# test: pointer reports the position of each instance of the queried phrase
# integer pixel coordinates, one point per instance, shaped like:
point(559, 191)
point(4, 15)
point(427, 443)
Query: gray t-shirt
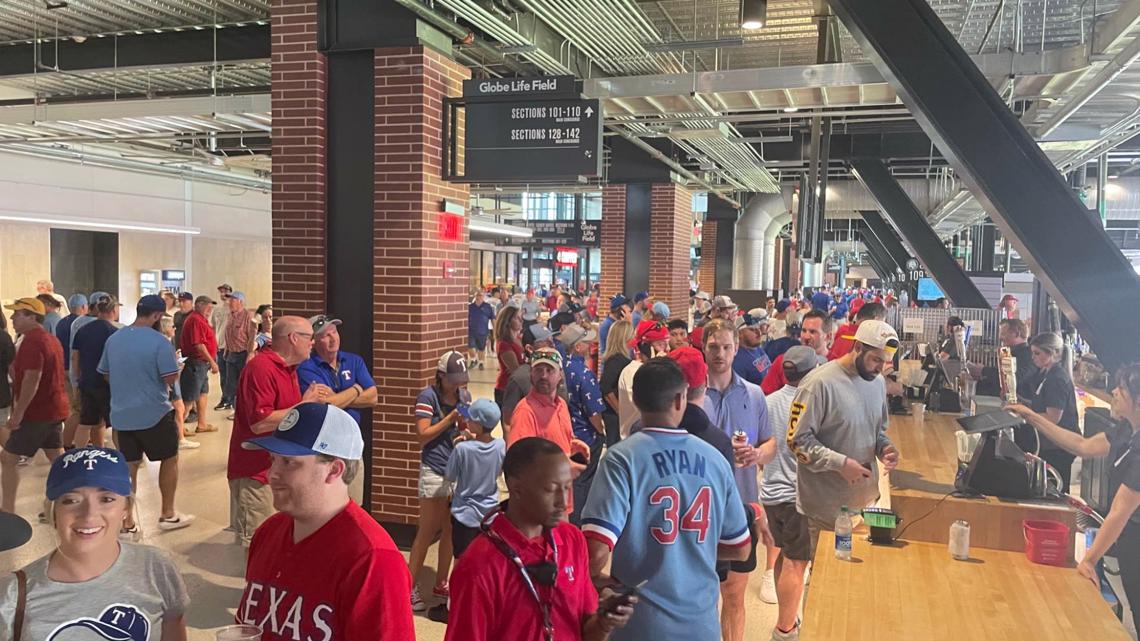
point(779, 485)
point(128, 601)
point(836, 415)
point(530, 309)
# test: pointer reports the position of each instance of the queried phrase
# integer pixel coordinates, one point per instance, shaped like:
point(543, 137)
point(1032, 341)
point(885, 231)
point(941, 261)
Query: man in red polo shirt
point(845, 336)
point(39, 402)
point(266, 392)
point(551, 595)
point(200, 348)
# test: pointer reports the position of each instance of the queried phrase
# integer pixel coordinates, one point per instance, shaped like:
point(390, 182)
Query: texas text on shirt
point(345, 582)
point(663, 501)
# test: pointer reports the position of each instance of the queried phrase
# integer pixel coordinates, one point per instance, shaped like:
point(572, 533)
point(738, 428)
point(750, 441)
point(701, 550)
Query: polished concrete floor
point(212, 565)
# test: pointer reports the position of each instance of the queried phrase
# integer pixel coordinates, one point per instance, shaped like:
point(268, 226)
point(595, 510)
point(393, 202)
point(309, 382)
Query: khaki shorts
point(356, 488)
point(251, 502)
point(432, 485)
point(73, 398)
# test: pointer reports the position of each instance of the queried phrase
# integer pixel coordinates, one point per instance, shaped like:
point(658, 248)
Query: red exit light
point(450, 227)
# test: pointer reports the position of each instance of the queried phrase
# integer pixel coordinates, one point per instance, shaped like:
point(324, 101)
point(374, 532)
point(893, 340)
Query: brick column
point(706, 275)
point(671, 225)
point(613, 243)
point(418, 313)
point(299, 186)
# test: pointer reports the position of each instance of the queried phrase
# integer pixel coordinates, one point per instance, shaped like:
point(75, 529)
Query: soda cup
point(240, 632)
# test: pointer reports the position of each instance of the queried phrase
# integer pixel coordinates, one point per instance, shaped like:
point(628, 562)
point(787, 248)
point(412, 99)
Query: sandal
point(208, 428)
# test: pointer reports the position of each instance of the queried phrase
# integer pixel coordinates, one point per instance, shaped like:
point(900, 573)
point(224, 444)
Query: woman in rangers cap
point(92, 580)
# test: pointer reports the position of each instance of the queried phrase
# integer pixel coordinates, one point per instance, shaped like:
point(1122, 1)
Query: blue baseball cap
point(89, 467)
point(238, 295)
point(661, 309)
point(640, 296)
point(618, 301)
point(150, 304)
point(118, 622)
point(783, 304)
point(313, 428)
point(96, 296)
point(485, 413)
point(76, 300)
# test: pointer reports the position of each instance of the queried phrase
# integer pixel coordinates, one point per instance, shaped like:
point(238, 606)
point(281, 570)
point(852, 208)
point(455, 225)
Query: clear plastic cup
point(918, 412)
point(238, 633)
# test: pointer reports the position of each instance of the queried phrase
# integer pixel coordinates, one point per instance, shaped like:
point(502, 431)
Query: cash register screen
point(989, 421)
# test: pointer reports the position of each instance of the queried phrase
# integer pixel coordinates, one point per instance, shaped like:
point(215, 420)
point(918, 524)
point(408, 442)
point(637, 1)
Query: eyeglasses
point(304, 335)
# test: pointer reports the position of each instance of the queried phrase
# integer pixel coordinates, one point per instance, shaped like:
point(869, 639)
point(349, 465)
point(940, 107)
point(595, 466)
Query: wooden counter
point(915, 591)
point(928, 463)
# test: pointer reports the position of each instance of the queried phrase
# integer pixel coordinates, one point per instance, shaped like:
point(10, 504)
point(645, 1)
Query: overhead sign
point(562, 233)
point(543, 88)
point(522, 141)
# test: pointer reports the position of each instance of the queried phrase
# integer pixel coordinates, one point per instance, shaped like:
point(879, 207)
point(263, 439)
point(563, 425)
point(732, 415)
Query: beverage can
point(740, 436)
point(960, 540)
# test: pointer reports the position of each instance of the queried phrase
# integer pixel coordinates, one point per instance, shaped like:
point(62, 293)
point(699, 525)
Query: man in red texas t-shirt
point(322, 568)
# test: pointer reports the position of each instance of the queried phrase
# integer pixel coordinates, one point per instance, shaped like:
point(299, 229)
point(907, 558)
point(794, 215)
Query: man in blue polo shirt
point(735, 405)
point(586, 407)
point(344, 372)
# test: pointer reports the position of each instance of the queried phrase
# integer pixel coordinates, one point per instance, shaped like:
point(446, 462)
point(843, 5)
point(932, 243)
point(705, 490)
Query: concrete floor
point(212, 565)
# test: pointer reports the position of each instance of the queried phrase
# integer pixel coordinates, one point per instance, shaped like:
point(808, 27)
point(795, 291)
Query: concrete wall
point(233, 243)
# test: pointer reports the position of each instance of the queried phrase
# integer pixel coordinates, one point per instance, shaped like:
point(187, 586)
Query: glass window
point(488, 268)
point(592, 206)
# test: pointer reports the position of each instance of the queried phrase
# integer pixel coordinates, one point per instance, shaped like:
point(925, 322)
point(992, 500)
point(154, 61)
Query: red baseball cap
point(692, 363)
point(649, 331)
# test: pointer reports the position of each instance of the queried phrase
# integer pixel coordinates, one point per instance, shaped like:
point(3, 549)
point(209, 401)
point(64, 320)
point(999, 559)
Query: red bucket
point(1046, 542)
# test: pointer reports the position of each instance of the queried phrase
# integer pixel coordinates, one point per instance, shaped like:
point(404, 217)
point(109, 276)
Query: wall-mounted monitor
point(929, 290)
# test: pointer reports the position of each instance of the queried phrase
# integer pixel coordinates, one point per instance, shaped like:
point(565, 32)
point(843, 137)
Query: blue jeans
point(222, 372)
point(235, 363)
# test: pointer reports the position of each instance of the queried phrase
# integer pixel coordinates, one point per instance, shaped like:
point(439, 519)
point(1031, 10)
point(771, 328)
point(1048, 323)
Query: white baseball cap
point(313, 428)
point(879, 335)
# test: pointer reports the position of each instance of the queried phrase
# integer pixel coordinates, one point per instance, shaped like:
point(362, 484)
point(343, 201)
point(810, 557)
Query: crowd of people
point(646, 457)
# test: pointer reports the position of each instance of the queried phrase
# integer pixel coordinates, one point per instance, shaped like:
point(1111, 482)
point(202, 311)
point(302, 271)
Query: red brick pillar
point(671, 234)
point(706, 275)
point(419, 313)
point(299, 195)
point(613, 243)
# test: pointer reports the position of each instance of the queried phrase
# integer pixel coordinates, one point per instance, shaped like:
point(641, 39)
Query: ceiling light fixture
point(791, 110)
point(111, 225)
point(753, 14)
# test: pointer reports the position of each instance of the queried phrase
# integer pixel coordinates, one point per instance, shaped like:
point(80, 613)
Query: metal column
point(880, 258)
point(1003, 167)
point(929, 250)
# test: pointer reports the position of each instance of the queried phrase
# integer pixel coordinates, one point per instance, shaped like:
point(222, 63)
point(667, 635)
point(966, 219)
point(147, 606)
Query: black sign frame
point(451, 107)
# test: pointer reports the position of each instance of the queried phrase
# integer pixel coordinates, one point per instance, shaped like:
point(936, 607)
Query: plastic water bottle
point(843, 529)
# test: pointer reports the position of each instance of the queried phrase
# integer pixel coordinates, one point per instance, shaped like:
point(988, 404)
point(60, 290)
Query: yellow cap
point(33, 305)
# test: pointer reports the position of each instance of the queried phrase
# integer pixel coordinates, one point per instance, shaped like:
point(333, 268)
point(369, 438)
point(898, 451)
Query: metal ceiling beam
point(1008, 173)
point(30, 114)
point(1114, 30)
point(842, 74)
point(912, 224)
point(884, 234)
point(879, 258)
point(234, 44)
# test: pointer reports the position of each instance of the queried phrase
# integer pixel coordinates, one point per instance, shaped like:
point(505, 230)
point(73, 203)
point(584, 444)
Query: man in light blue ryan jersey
point(665, 505)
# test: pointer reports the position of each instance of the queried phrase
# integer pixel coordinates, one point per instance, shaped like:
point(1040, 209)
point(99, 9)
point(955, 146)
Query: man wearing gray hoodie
point(837, 428)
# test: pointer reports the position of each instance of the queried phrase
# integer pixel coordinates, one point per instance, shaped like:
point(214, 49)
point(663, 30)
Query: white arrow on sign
point(589, 111)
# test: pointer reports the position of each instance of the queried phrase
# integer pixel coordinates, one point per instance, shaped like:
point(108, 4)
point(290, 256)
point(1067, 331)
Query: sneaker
point(418, 604)
point(24, 461)
point(176, 522)
point(192, 417)
point(480, 364)
point(130, 535)
point(220, 406)
point(187, 444)
point(794, 635)
point(438, 613)
point(768, 587)
point(441, 590)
